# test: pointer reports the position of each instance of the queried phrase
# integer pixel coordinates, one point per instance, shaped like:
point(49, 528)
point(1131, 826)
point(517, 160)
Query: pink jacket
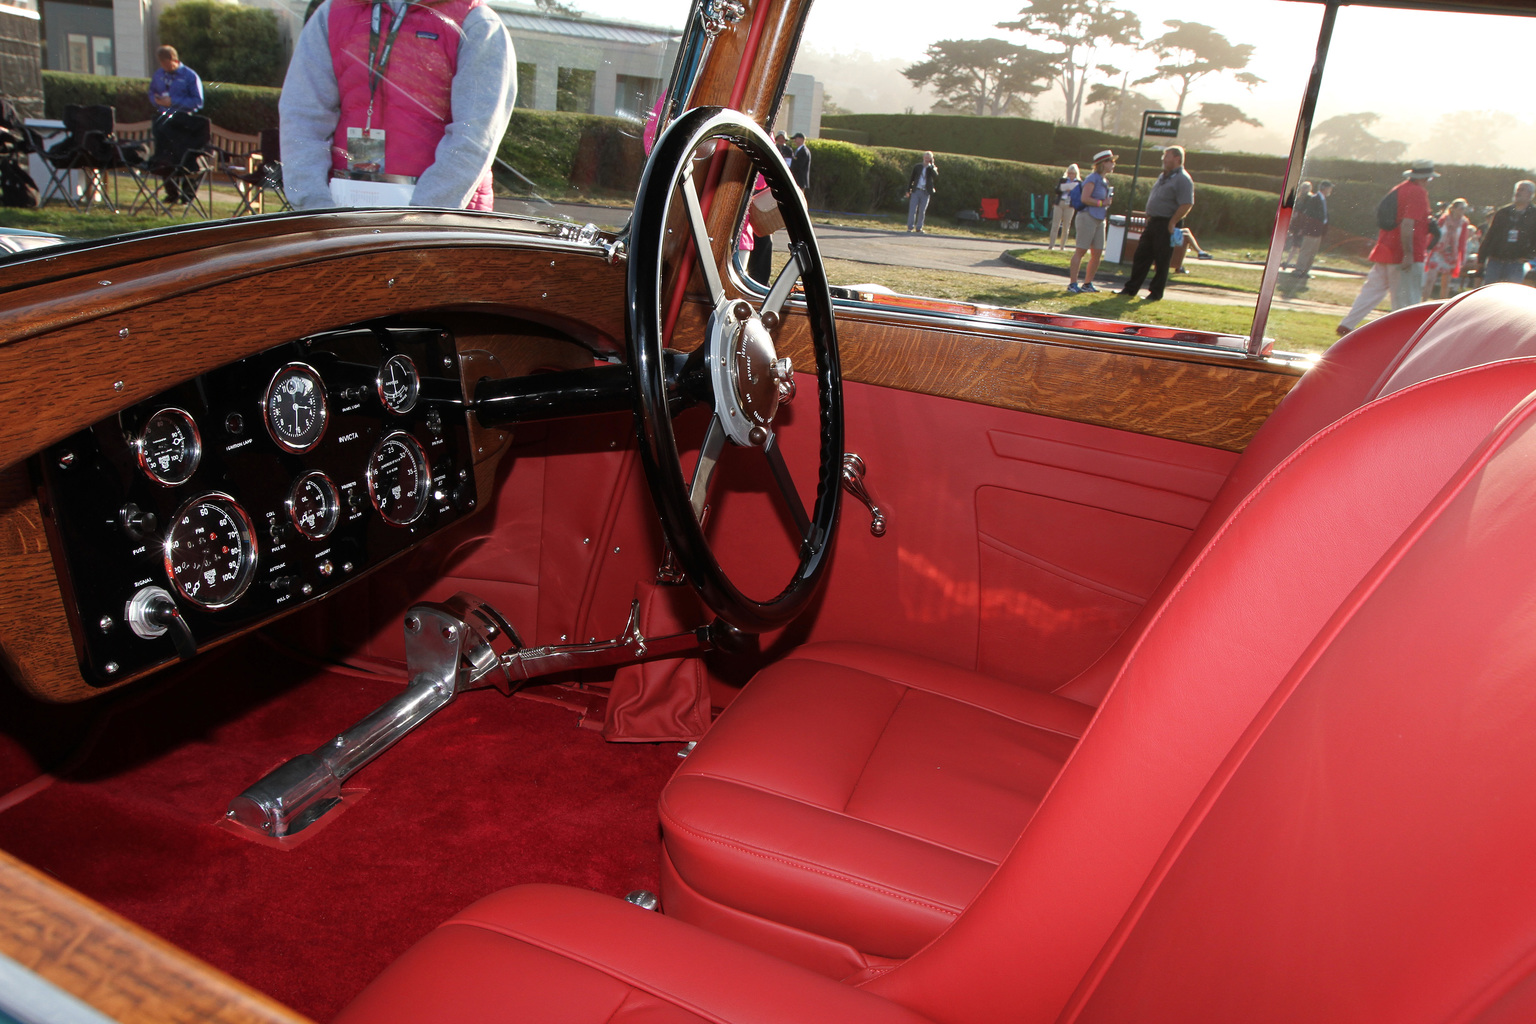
point(414, 102)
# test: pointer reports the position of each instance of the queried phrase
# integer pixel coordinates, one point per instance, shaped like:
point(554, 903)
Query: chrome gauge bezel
point(423, 476)
point(323, 414)
point(141, 442)
point(332, 500)
point(412, 375)
point(245, 532)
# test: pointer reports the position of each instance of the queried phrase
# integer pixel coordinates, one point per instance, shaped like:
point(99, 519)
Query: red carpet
point(491, 792)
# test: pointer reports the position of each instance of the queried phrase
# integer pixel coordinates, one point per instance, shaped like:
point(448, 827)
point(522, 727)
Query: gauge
point(169, 447)
point(210, 550)
point(314, 505)
point(399, 384)
point(399, 478)
point(295, 407)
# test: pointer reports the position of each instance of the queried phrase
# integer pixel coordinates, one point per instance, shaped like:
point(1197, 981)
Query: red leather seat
point(1331, 818)
point(853, 801)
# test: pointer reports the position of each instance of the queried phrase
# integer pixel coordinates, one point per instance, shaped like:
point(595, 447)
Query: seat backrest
point(80, 119)
point(271, 146)
point(1365, 852)
point(1410, 345)
point(1235, 623)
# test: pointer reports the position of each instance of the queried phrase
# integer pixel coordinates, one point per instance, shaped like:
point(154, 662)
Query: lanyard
point(377, 61)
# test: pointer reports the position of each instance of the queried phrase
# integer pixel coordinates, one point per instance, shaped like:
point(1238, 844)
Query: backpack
point(1386, 211)
point(1075, 197)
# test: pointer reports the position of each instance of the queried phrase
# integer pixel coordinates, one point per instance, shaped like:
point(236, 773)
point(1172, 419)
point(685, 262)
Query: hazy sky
point(1465, 68)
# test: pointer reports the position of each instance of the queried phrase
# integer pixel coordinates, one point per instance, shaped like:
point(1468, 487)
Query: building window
point(527, 84)
point(634, 96)
point(90, 55)
point(79, 54)
point(102, 62)
point(576, 87)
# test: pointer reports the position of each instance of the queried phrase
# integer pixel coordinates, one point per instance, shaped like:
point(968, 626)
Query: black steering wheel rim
point(664, 175)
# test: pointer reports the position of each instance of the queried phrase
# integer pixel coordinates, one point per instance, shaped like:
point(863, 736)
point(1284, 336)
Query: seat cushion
point(565, 956)
point(877, 819)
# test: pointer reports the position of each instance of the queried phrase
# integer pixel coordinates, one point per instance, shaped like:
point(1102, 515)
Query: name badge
point(426, 35)
point(365, 150)
point(1514, 236)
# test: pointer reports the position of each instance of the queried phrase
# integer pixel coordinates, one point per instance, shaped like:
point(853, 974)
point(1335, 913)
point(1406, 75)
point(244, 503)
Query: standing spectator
point(1172, 196)
point(800, 162)
point(1293, 236)
point(1510, 239)
point(409, 98)
point(1397, 260)
point(1089, 221)
point(1311, 223)
point(783, 145)
point(1443, 264)
point(1061, 209)
point(177, 94)
point(920, 188)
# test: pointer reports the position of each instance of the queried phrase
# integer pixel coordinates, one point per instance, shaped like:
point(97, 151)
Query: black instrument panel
point(253, 488)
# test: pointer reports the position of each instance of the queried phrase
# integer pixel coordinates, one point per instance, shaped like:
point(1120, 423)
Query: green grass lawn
point(1339, 291)
point(1293, 330)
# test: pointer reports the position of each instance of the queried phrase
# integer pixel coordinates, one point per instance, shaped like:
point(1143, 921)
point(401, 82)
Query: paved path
point(965, 254)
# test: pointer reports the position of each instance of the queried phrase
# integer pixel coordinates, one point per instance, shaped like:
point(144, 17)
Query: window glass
point(527, 84)
point(574, 93)
point(587, 76)
point(101, 56)
point(1008, 95)
point(1467, 121)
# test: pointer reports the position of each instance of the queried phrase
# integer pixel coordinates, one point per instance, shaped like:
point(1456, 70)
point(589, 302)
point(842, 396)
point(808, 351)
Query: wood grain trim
point(1198, 400)
point(37, 649)
point(116, 967)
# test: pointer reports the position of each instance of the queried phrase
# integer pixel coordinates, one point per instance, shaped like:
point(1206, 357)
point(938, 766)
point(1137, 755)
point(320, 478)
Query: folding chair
point(264, 176)
point(88, 148)
point(183, 161)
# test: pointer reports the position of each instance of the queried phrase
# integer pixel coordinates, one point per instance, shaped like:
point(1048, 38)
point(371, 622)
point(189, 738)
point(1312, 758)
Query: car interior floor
point(126, 805)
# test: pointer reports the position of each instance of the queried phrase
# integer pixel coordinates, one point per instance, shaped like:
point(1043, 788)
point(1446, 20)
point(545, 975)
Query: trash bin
point(1114, 239)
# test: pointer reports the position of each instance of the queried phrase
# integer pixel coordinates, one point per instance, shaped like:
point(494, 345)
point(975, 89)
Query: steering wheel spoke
point(709, 459)
point(701, 241)
point(783, 285)
point(787, 488)
point(737, 371)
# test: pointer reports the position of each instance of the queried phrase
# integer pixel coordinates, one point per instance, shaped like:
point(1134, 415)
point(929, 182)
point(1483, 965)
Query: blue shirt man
point(175, 87)
point(177, 94)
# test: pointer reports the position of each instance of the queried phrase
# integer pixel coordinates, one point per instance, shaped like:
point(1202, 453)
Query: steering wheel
point(736, 369)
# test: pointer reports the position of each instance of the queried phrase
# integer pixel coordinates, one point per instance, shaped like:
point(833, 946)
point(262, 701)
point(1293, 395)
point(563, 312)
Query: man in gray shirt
point(1172, 196)
point(313, 116)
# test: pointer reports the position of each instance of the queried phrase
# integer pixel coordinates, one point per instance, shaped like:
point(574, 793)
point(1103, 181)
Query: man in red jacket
point(1397, 261)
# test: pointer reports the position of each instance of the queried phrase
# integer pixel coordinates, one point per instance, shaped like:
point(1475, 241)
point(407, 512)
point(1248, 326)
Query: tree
point(1190, 51)
point(1473, 137)
point(226, 42)
point(987, 77)
point(1080, 28)
point(1200, 129)
point(1349, 136)
point(831, 106)
point(1119, 107)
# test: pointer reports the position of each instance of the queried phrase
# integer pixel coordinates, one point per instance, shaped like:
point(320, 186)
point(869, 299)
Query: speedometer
point(295, 407)
point(399, 478)
point(210, 550)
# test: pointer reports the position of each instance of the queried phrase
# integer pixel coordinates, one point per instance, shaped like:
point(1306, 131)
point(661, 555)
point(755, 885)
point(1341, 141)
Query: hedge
point(1002, 138)
point(872, 179)
point(558, 150)
point(238, 108)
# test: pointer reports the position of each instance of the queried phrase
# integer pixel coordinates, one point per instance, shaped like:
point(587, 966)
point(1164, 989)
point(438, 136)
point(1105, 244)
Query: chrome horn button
point(747, 374)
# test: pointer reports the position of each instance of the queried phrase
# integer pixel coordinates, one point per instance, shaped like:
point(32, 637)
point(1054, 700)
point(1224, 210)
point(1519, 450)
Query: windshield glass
point(139, 117)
